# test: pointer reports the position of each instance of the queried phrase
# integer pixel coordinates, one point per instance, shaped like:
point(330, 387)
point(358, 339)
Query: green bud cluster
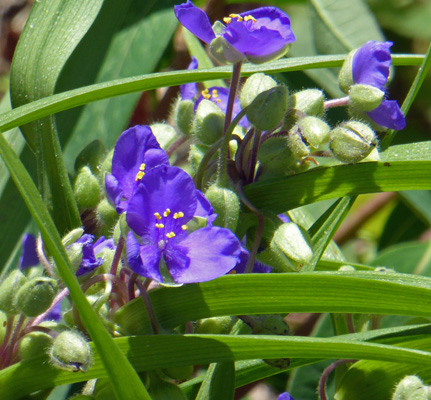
point(411, 388)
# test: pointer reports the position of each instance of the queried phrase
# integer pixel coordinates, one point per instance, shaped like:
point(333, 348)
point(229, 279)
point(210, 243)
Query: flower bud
point(196, 153)
point(223, 52)
point(86, 189)
point(411, 388)
point(226, 204)
point(352, 142)
point(107, 216)
point(309, 101)
point(268, 109)
point(34, 344)
point(165, 134)
point(35, 296)
point(179, 373)
point(365, 97)
point(106, 165)
point(289, 249)
point(71, 352)
point(345, 76)
point(215, 325)
point(254, 85)
point(8, 290)
point(72, 236)
point(183, 114)
point(91, 156)
point(275, 155)
point(3, 325)
point(209, 122)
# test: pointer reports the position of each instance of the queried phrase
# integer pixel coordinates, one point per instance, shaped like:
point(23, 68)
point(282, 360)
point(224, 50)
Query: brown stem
point(117, 256)
point(144, 295)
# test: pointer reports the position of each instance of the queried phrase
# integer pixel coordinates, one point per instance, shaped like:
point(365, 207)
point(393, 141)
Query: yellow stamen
point(160, 226)
point(167, 212)
point(158, 216)
point(237, 16)
point(218, 101)
point(178, 215)
point(227, 20)
point(139, 176)
point(142, 167)
point(170, 235)
point(215, 93)
point(184, 227)
point(249, 18)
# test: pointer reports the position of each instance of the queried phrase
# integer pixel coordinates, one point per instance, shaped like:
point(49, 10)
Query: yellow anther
point(178, 215)
point(142, 167)
point(158, 216)
point(232, 272)
point(227, 20)
point(139, 176)
point(249, 18)
point(170, 235)
point(184, 227)
point(215, 93)
point(237, 16)
point(218, 100)
point(160, 226)
point(167, 212)
point(206, 91)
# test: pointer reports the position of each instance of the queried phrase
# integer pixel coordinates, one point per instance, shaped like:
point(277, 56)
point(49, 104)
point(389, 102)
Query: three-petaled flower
point(370, 66)
point(160, 246)
point(259, 35)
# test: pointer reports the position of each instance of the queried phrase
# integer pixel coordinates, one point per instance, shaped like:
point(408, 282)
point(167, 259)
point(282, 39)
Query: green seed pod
point(275, 155)
point(268, 109)
point(165, 134)
point(223, 52)
point(215, 325)
point(209, 122)
point(352, 142)
point(411, 388)
point(71, 352)
point(183, 114)
point(179, 373)
point(309, 101)
point(253, 86)
point(91, 156)
point(35, 296)
point(345, 76)
point(296, 143)
point(289, 249)
point(226, 204)
point(365, 97)
point(34, 344)
point(86, 189)
point(8, 290)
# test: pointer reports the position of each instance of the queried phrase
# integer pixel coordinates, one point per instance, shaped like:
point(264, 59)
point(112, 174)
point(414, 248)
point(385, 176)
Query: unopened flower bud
point(268, 109)
point(34, 344)
point(35, 296)
point(91, 156)
point(215, 325)
point(8, 290)
point(209, 122)
point(196, 153)
point(254, 85)
point(226, 204)
point(86, 189)
point(275, 155)
point(411, 388)
point(345, 76)
point(107, 216)
point(352, 142)
point(183, 114)
point(3, 325)
point(289, 249)
point(71, 352)
point(72, 236)
point(165, 134)
point(365, 97)
point(106, 165)
point(309, 101)
point(223, 52)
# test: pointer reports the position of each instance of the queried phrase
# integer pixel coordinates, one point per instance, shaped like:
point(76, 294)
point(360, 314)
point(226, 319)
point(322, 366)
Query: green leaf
point(219, 382)
point(420, 202)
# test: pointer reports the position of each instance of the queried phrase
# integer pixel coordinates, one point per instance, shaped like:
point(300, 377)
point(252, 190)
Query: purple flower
point(29, 256)
point(259, 35)
point(258, 267)
point(188, 90)
point(370, 66)
point(136, 152)
point(219, 96)
point(285, 396)
point(158, 213)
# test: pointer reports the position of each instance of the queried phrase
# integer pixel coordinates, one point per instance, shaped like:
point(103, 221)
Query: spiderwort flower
point(188, 90)
point(285, 396)
point(259, 35)
point(370, 66)
point(29, 256)
point(136, 152)
point(158, 213)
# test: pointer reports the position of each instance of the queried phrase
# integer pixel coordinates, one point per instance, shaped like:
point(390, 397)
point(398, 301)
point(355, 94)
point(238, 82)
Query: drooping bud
point(289, 249)
point(275, 155)
point(71, 352)
point(86, 189)
point(345, 76)
point(209, 122)
point(8, 290)
point(34, 344)
point(253, 86)
point(365, 97)
point(91, 156)
point(35, 296)
point(352, 142)
point(165, 134)
point(309, 101)
point(183, 114)
point(411, 388)
point(226, 204)
point(223, 52)
point(268, 109)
